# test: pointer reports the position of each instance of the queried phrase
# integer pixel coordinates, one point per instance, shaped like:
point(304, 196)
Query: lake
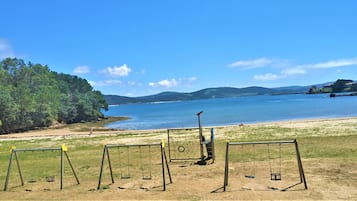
point(230, 111)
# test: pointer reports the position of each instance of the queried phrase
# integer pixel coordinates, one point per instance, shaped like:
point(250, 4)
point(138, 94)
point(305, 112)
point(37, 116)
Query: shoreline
point(84, 130)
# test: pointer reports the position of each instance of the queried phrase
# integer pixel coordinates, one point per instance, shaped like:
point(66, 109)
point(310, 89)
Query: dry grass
point(328, 148)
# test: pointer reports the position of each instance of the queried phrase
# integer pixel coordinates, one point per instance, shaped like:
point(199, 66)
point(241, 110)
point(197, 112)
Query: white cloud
point(6, 49)
point(287, 69)
point(164, 83)
point(167, 83)
point(192, 79)
point(81, 69)
point(105, 83)
point(249, 64)
point(117, 71)
point(266, 77)
point(333, 64)
point(293, 71)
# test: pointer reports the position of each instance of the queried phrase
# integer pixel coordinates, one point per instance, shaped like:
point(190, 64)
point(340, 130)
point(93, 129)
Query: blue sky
point(143, 47)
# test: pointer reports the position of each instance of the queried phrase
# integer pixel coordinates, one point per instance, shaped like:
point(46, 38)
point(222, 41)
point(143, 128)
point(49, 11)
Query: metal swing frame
point(61, 150)
point(298, 158)
point(106, 155)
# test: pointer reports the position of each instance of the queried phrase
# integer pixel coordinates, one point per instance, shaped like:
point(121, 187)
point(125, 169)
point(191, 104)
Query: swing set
point(275, 173)
point(15, 156)
point(275, 164)
point(183, 146)
point(130, 157)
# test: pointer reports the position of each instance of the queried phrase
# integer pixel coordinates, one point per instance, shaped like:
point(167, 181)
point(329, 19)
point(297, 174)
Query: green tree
point(340, 85)
point(33, 96)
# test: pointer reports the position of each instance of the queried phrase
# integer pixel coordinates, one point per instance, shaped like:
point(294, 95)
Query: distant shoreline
point(84, 130)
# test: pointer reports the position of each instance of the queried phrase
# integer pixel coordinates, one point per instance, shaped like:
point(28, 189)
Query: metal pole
point(301, 170)
point(70, 164)
point(264, 142)
point(110, 166)
point(163, 169)
point(19, 168)
point(167, 166)
point(225, 182)
point(212, 142)
point(101, 167)
point(200, 134)
point(8, 170)
point(168, 143)
point(132, 145)
point(39, 149)
point(62, 170)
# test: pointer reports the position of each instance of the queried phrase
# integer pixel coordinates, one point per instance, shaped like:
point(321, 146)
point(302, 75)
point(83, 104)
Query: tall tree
point(33, 96)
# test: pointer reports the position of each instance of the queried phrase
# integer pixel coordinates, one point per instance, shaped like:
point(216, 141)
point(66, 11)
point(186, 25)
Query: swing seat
point(125, 177)
point(276, 176)
point(249, 176)
point(146, 178)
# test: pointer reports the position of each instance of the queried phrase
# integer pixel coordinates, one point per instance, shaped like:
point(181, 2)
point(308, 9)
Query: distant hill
point(219, 92)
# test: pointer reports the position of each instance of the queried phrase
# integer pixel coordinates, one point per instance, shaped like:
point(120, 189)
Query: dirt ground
point(327, 179)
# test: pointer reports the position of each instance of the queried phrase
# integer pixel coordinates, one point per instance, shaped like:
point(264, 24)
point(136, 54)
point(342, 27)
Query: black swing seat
point(146, 178)
point(249, 176)
point(125, 177)
point(276, 176)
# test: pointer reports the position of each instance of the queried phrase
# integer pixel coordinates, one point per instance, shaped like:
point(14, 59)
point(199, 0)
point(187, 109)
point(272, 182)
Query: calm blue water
point(229, 111)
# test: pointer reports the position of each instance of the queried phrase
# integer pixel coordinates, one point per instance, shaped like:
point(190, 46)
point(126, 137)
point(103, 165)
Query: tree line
point(340, 86)
point(32, 96)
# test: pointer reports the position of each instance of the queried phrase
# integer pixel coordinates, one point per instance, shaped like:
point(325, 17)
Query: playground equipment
point(246, 157)
point(135, 161)
point(62, 152)
point(182, 143)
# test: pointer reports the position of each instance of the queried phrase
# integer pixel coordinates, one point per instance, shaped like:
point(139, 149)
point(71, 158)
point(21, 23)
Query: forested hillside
point(32, 96)
point(208, 93)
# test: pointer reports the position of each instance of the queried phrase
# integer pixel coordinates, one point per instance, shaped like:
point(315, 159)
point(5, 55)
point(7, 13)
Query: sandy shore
point(328, 125)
